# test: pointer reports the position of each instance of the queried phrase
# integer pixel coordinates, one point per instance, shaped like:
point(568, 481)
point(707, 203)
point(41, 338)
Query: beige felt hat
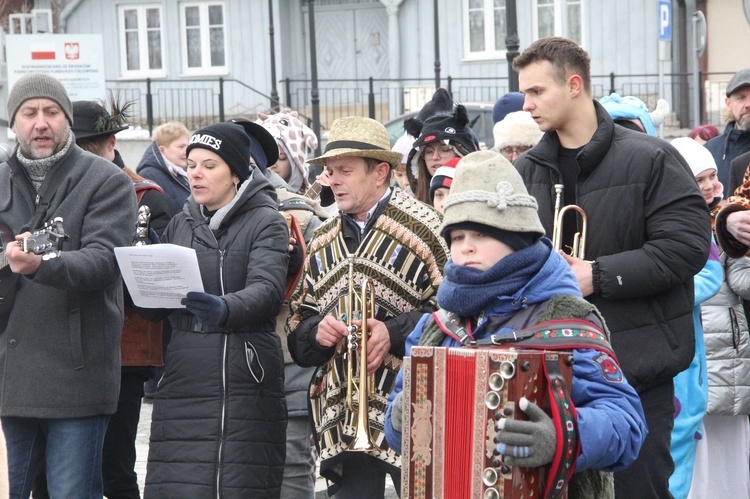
point(355, 136)
point(488, 190)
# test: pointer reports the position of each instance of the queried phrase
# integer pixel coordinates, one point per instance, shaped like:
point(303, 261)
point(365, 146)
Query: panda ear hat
point(441, 103)
point(450, 129)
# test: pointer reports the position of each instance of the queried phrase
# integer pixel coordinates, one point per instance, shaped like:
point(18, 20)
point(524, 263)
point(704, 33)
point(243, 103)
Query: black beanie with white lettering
point(229, 141)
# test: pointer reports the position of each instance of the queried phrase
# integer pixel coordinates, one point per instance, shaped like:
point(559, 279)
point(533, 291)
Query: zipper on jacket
point(222, 422)
point(221, 270)
point(222, 427)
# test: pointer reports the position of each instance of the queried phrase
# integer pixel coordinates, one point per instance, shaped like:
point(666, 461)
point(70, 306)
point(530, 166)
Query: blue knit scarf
point(468, 291)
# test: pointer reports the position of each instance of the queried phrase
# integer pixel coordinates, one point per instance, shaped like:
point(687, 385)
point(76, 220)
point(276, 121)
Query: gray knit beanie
point(35, 86)
point(488, 190)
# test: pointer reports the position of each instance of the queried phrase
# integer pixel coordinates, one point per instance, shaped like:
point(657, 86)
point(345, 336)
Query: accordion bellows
point(453, 399)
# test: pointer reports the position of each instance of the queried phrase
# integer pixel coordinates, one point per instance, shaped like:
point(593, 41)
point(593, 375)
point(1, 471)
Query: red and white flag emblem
point(72, 50)
point(43, 51)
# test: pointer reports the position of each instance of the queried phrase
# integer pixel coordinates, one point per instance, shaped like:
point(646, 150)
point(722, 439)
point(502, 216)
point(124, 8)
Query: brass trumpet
point(579, 238)
point(362, 306)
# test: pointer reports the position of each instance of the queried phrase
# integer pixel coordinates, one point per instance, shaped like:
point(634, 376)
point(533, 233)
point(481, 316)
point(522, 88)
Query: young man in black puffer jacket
point(648, 235)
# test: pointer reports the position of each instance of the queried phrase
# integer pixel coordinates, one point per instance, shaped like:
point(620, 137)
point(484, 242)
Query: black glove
point(295, 260)
point(528, 444)
point(327, 198)
point(210, 310)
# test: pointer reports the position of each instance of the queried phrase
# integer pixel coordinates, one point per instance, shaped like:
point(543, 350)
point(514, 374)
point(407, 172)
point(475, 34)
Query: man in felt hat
point(381, 234)
point(61, 352)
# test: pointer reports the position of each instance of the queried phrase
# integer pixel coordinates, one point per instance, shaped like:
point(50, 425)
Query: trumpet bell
point(578, 250)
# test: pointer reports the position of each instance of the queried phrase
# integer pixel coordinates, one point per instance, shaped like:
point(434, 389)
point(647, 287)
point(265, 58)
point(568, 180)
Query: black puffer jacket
point(649, 234)
point(219, 420)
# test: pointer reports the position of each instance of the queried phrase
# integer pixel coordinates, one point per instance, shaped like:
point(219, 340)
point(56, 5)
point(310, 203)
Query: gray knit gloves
point(528, 444)
point(397, 412)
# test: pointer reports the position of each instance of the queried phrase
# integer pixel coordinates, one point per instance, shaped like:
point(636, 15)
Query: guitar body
point(46, 241)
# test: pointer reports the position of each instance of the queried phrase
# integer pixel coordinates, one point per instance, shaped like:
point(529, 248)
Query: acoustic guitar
point(46, 241)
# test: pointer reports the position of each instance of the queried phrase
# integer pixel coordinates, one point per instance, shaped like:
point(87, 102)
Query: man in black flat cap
point(735, 140)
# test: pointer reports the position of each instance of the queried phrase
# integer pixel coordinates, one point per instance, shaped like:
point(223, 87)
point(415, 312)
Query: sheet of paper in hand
point(159, 275)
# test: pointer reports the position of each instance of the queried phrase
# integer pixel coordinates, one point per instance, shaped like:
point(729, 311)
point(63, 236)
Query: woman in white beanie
point(515, 134)
point(691, 385)
point(722, 454)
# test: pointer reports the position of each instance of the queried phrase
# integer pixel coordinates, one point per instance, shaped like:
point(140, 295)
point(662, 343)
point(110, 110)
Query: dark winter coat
point(219, 419)
point(724, 149)
point(60, 352)
point(176, 187)
point(648, 234)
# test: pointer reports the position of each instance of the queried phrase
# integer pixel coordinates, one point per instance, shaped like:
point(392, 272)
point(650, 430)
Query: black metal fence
point(199, 102)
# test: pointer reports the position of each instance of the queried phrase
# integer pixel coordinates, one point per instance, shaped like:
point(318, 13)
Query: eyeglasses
point(443, 150)
point(510, 150)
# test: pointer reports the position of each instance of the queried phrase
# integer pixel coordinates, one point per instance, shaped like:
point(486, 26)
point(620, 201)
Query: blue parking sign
point(665, 20)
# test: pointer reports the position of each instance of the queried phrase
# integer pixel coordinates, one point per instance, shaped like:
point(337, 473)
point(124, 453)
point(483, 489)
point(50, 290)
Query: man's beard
point(743, 123)
point(59, 139)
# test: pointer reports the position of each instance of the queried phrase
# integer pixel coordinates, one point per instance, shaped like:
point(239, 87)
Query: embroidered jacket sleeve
point(302, 329)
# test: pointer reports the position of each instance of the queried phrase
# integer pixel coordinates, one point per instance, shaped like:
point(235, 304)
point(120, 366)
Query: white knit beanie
point(698, 158)
point(516, 129)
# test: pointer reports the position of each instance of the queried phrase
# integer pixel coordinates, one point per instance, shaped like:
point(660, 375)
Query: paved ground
point(144, 427)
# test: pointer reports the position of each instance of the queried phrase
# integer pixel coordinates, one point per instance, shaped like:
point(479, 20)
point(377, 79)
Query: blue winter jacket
point(611, 424)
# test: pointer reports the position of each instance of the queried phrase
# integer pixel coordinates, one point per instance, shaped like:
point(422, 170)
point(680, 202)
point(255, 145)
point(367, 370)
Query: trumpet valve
point(352, 341)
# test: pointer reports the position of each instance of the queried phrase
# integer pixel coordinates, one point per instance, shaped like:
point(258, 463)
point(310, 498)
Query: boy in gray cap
point(504, 276)
point(61, 352)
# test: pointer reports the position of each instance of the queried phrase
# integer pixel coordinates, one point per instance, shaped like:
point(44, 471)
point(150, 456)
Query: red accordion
point(453, 399)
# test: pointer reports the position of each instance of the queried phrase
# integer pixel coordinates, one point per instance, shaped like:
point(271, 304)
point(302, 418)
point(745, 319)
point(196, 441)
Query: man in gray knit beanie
point(38, 85)
point(63, 317)
point(40, 115)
